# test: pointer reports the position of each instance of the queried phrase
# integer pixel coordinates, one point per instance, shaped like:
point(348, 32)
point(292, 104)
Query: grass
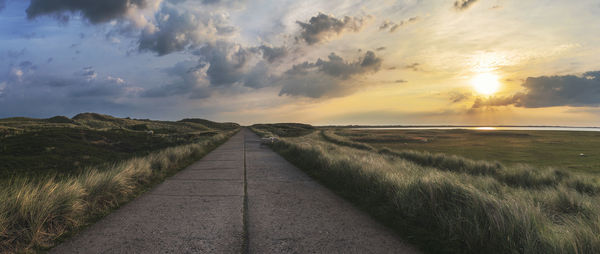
point(60, 174)
point(284, 129)
point(451, 204)
point(37, 212)
point(538, 148)
point(61, 146)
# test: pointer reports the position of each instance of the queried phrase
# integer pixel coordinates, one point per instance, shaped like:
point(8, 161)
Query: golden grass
point(449, 204)
point(35, 213)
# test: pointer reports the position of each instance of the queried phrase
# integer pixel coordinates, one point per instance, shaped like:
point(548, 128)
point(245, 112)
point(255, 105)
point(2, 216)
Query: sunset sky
point(482, 62)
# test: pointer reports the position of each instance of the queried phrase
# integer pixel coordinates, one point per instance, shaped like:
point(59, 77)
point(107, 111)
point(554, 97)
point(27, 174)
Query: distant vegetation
point(211, 124)
point(284, 129)
point(59, 173)
point(559, 149)
point(451, 204)
point(62, 146)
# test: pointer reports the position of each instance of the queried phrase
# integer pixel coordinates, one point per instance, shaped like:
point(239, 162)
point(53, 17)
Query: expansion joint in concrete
point(246, 239)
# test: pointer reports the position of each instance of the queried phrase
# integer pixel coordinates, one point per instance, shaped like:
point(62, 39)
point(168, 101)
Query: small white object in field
point(150, 132)
point(269, 140)
point(582, 155)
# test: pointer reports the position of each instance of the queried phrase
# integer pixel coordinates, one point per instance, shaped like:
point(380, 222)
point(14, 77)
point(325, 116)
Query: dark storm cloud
point(326, 77)
point(96, 11)
point(324, 26)
point(463, 4)
point(550, 91)
point(178, 30)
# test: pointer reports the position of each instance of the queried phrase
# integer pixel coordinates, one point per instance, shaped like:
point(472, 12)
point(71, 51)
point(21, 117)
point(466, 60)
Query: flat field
point(559, 149)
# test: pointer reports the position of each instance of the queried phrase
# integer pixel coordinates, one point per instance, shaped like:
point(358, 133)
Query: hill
point(62, 145)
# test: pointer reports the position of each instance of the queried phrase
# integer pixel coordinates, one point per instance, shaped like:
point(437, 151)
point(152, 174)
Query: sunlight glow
point(484, 128)
point(485, 83)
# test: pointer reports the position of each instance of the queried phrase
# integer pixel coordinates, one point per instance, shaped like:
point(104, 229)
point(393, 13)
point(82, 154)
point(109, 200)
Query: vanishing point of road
point(240, 198)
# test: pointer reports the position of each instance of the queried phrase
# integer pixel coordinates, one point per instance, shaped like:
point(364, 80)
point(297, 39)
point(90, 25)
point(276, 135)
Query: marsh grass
point(450, 204)
point(36, 212)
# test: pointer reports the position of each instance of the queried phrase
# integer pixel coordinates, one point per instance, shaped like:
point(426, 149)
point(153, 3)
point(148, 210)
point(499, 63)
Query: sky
point(406, 62)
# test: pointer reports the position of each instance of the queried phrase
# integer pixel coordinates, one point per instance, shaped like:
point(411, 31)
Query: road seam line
point(245, 239)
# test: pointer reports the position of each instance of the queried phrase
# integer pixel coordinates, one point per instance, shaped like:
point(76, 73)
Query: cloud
point(39, 94)
point(326, 78)
point(258, 76)
point(210, 2)
point(393, 27)
point(87, 73)
point(93, 10)
point(323, 27)
point(226, 62)
point(2, 4)
point(413, 66)
point(189, 79)
point(493, 101)
point(463, 4)
point(550, 91)
point(224, 66)
point(15, 54)
point(456, 97)
point(271, 54)
point(178, 30)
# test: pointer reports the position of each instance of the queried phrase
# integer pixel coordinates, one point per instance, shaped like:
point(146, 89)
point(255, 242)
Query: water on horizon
point(484, 128)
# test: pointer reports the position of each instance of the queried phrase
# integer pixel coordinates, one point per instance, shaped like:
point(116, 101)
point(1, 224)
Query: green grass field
point(446, 203)
point(59, 174)
point(559, 149)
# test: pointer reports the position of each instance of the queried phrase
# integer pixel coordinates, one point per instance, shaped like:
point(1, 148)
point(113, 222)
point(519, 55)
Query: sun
point(485, 83)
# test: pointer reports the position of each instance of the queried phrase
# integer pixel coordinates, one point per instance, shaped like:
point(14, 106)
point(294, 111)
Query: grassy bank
point(450, 204)
point(38, 211)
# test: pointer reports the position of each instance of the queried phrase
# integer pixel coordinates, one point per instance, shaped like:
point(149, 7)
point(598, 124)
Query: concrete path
point(240, 198)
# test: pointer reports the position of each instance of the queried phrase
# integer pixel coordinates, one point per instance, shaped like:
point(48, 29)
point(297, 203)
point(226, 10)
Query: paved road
point(240, 198)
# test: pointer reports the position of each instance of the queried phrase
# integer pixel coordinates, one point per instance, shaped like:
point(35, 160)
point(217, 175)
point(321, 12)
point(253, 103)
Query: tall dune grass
point(35, 213)
point(449, 204)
